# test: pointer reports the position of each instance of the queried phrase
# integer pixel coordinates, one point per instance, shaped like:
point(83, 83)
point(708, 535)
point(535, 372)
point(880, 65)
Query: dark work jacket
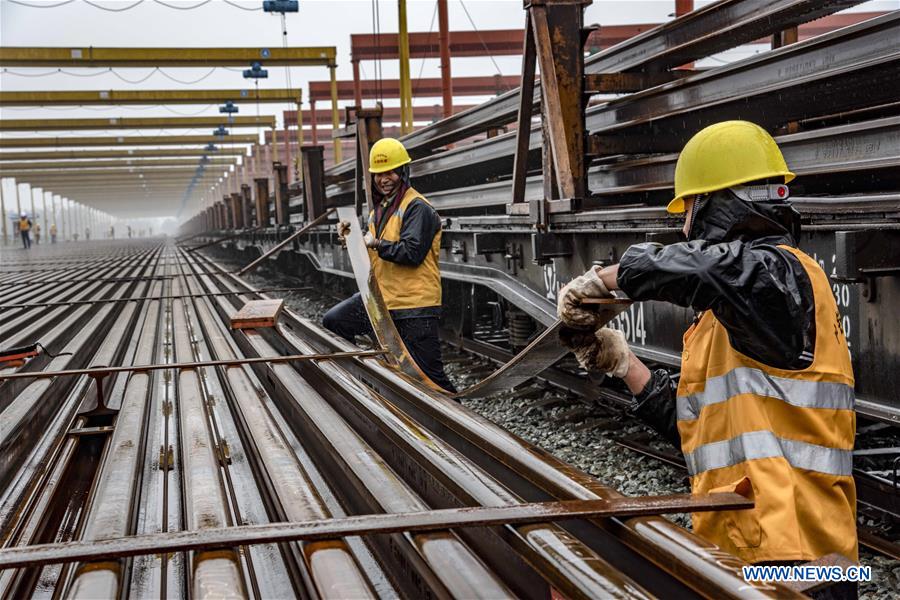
point(731, 265)
point(420, 224)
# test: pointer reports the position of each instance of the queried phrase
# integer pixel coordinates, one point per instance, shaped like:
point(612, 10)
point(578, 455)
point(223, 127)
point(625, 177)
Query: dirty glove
point(343, 230)
point(613, 355)
point(371, 241)
point(604, 350)
point(569, 300)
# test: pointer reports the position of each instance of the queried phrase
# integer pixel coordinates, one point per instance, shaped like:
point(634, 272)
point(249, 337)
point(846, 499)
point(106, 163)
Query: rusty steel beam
point(390, 114)
point(425, 87)
point(328, 529)
point(491, 42)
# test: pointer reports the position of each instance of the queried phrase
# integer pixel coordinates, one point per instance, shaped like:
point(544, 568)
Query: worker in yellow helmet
point(404, 241)
point(24, 226)
point(765, 400)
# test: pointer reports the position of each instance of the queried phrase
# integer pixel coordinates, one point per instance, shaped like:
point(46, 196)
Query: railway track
point(89, 458)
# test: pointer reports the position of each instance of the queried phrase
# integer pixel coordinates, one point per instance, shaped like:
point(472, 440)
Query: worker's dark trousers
point(26, 239)
point(348, 319)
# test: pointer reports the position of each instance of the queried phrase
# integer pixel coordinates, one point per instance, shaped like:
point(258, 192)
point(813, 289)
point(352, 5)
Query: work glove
point(568, 306)
point(371, 241)
point(343, 230)
point(604, 350)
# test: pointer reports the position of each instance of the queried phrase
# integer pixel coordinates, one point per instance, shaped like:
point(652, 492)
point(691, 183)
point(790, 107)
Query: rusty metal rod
point(318, 220)
point(137, 298)
point(103, 371)
point(224, 239)
point(325, 529)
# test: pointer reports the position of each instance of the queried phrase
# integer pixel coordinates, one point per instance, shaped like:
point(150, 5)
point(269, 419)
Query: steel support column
point(335, 120)
point(262, 201)
point(312, 164)
point(444, 40)
point(246, 205)
point(282, 214)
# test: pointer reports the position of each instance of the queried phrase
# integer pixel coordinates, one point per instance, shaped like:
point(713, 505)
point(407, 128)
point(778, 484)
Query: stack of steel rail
point(117, 454)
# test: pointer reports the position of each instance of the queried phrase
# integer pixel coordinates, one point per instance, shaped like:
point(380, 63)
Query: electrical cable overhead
point(123, 9)
point(242, 7)
point(376, 32)
point(176, 80)
point(182, 7)
point(481, 39)
point(40, 5)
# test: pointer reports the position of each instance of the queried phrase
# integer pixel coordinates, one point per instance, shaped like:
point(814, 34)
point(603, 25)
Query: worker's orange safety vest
point(24, 225)
point(790, 432)
point(406, 286)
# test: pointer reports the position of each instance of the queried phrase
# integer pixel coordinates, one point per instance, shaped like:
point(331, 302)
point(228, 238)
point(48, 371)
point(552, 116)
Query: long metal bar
point(23, 56)
point(704, 32)
point(325, 529)
point(314, 223)
point(123, 97)
point(103, 371)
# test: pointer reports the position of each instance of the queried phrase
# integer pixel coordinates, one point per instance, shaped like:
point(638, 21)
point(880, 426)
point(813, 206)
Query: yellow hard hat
point(386, 155)
point(724, 155)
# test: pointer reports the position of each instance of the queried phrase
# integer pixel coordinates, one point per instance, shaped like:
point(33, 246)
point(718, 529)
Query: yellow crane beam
point(30, 56)
point(134, 123)
point(112, 171)
point(134, 140)
point(141, 153)
point(94, 164)
point(80, 98)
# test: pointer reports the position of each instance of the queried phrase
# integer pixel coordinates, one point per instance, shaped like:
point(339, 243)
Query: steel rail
point(542, 548)
point(827, 66)
point(698, 34)
point(326, 529)
point(336, 567)
point(689, 559)
point(103, 371)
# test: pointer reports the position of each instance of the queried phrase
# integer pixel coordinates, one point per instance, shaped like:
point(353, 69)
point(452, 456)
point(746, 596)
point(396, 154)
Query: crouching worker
point(404, 240)
point(766, 387)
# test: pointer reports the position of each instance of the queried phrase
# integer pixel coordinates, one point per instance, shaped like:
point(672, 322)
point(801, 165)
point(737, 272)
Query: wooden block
point(257, 313)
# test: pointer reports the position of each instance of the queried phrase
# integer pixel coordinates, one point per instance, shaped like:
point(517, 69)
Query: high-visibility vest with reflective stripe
point(24, 225)
point(406, 286)
point(790, 432)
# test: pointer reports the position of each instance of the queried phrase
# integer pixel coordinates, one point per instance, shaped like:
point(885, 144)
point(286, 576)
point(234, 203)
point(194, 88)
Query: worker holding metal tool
point(766, 386)
point(404, 240)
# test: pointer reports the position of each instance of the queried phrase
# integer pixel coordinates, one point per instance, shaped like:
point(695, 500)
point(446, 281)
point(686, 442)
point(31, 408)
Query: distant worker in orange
point(24, 226)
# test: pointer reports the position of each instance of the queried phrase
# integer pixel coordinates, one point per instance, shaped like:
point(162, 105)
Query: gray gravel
point(541, 415)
